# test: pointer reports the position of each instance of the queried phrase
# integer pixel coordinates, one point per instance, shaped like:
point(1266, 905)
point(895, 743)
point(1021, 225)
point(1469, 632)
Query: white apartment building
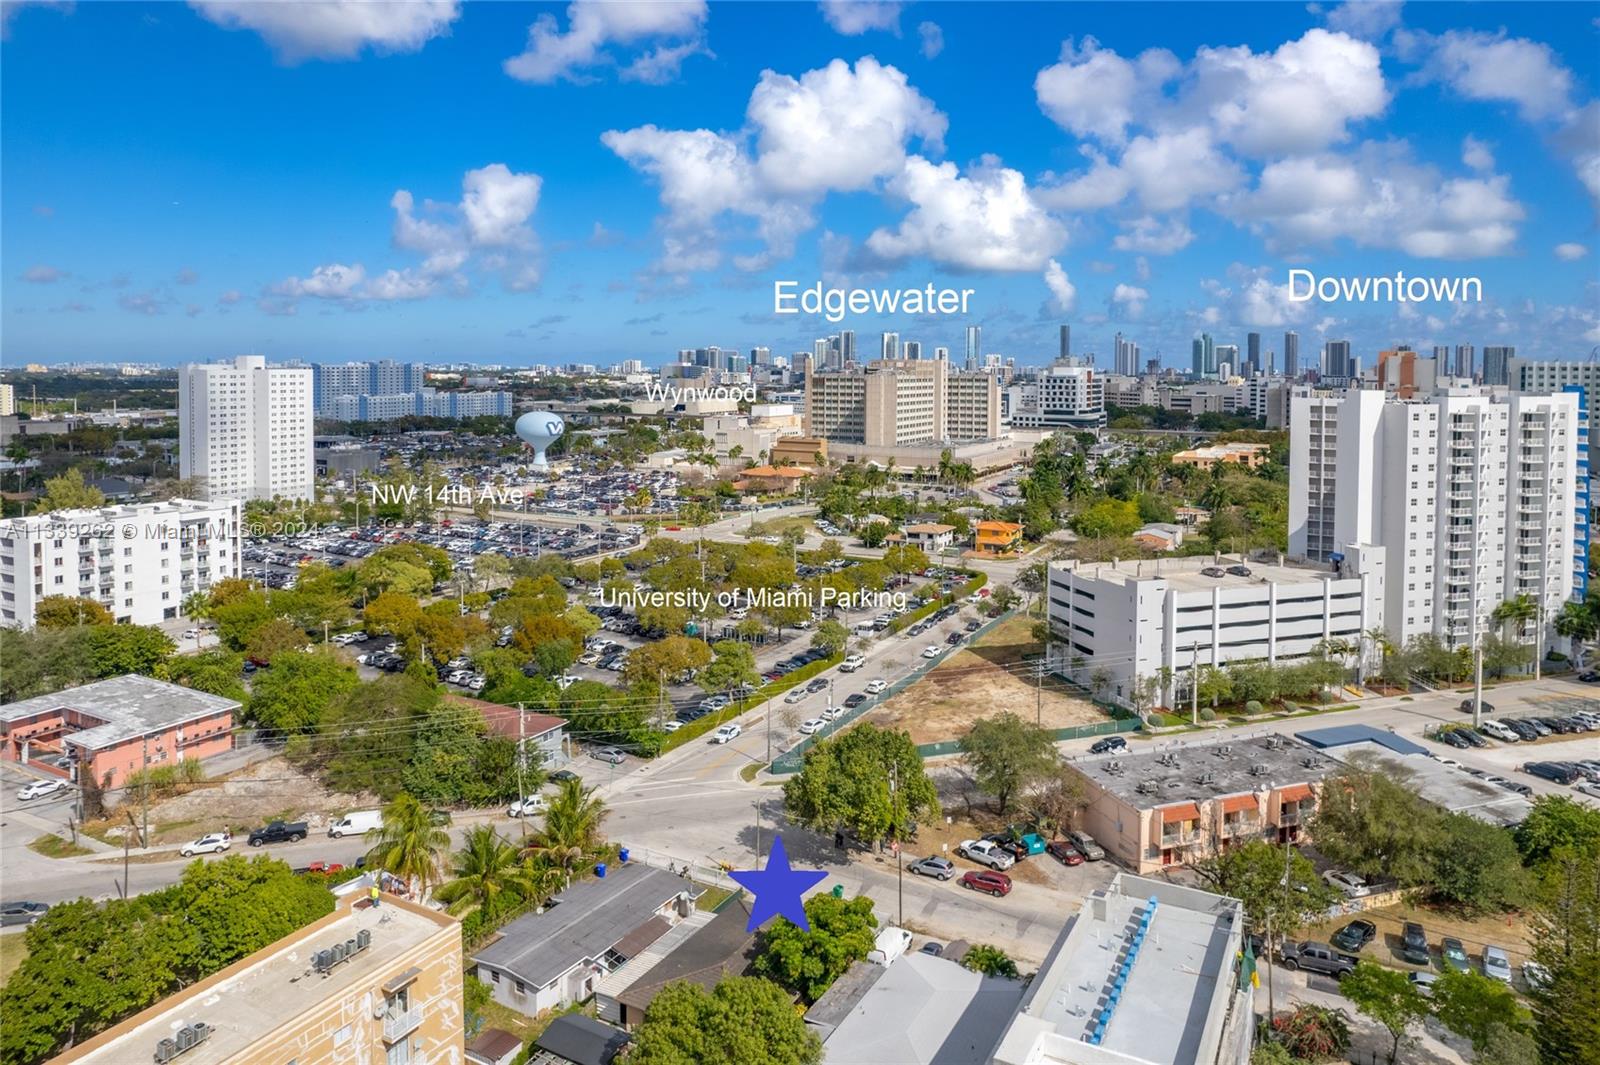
point(139, 561)
point(245, 429)
point(1060, 397)
point(1147, 619)
point(1454, 502)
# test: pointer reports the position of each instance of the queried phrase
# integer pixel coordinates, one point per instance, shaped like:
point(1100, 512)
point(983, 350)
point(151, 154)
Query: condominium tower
point(1453, 502)
point(245, 428)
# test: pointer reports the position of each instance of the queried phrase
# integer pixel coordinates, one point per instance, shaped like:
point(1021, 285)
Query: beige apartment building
point(376, 985)
point(898, 403)
point(1160, 808)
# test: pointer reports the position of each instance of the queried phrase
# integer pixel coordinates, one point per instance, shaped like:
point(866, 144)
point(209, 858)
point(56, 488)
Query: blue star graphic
point(778, 889)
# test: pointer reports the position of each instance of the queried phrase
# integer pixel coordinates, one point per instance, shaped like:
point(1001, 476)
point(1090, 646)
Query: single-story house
point(1159, 536)
point(558, 955)
point(722, 947)
point(1192, 515)
point(494, 1046)
point(576, 1039)
point(918, 1010)
point(544, 733)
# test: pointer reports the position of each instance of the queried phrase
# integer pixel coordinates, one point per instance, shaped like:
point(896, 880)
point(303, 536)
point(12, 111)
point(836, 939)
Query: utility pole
point(1038, 702)
point(1194, 686)
point(522, 794)
point(144, 791)
point(324, 636)
point(1538, 636)
point(1477, 682)
point(899, 850)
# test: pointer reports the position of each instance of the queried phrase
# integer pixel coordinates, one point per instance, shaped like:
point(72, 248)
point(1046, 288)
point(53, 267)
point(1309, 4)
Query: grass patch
point(748, 773)
point(777, 527)
point(1165, 720)
point(13, 950)
point(711, 897)
point(53, 846)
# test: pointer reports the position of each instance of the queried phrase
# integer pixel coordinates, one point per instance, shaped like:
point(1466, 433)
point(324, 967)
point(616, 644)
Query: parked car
point(1496, 964)
point(1497, 730)
point(1353, 936)
point(932, 950)
point(40, 788)
point(613, 755)
point(1352, 885)
point(1317, 958)
point(934, 866)
point(1466, 707)
point(1016, 848)
point(1108, 745)
point(1452, 955)
point(853, 663)
point(1452, 738)
point(356, 823)
point(932, 651)
point(278, 832)
point(1091, 851)
point(876, 686)
point(1423, 981)
point(1414, 943)
point(985, 853)
point(1472, 736)
point(811, 725)
point(727, 733)
point(561, 776)
point(988, 881)
point(527, 806)
point(1536, 976)
point(795, 695)
point(854, 700)
point(1560, 772)
point(1064, 852)
point(15, 913)
point(1239, 571)
point(214, 843)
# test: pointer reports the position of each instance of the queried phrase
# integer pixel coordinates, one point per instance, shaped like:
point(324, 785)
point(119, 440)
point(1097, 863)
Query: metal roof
point(127, 707)
point(1339, 735)
point(584, 921)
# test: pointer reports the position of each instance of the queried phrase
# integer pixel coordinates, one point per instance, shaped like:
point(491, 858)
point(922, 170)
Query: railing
point(1249, 827)
point(396, 1026)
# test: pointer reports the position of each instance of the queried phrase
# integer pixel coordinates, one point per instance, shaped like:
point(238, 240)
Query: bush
point(1253, 707)
point(990, 961)
point(1207, 714)
point(1313, 1033)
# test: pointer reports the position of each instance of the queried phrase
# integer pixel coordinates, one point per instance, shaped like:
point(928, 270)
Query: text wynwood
point(449, 495)
point(698, 600)
point(675, 394)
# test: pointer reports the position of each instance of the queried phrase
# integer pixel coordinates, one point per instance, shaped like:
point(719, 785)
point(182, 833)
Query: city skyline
point(544, 184)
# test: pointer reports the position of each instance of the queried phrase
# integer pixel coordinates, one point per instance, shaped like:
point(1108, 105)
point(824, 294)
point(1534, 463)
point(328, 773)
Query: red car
point(324, 867)
point(987, 881)
point(1064, 852)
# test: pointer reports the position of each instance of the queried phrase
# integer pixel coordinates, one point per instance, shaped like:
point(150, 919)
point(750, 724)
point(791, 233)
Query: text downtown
point(1305, 286)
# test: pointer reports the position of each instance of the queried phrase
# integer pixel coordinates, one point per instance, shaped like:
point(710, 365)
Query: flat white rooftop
point(1173, 998)
point(261, 993)
point(1184, 574)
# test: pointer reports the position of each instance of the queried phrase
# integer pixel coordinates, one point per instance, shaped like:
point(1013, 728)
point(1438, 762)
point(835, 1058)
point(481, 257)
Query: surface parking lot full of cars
point(1550, 746)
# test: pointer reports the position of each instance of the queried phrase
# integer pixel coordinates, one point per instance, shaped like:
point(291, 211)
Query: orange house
point(997, 537)
point(115, 727)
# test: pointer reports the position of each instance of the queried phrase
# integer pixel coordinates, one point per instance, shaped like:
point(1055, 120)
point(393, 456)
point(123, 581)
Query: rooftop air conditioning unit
point(1223, 750)
point(1260, 769)
point(166, 1050)
point(364, 938)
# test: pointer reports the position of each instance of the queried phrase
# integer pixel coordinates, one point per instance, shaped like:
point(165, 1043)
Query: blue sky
point(556, 183)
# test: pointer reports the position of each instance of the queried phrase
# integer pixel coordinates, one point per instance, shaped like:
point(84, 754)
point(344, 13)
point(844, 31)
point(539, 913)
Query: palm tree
point(1515, 613)
point(1577, 622)
point(410, 845)
point(1379, 640)
point(486, 867)
point(571, 825)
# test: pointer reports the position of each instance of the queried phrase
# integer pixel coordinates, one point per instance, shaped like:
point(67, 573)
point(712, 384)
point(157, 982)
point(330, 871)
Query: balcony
point(1234, 827)
point(396, 1026)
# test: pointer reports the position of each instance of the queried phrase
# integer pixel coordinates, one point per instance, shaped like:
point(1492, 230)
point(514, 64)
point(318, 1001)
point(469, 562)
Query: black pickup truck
point(278, 832)
point(1316, 958)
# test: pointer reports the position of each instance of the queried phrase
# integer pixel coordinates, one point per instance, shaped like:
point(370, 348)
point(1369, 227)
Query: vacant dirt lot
point(986, 678)
point(243, 801)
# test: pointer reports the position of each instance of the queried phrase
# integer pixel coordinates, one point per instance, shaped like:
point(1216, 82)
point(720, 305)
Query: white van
point(890, 944)
point(356, 823)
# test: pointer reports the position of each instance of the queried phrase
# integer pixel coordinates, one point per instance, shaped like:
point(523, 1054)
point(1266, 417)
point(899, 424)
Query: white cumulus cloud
point(1063, 294)
point(985, 220)
point(675, 27)
point(932, 39)
point(855, 17)
point(1570, 252)
point(335, 29)
point(1495, 67)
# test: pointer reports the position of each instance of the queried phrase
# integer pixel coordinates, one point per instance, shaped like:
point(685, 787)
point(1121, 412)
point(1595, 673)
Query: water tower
point(539, 429)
